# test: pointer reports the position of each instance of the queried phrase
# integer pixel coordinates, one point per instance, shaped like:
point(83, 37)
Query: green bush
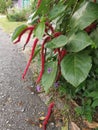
point(68, 52)
point(4, 5)
point(20, 15)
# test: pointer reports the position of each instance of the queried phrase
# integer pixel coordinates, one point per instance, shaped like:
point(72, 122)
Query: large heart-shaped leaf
point(49, 75)
point(75, 68)
point(57, 42)
point(56, 11)
point(85, 15)
point(79, 41)
point(18, 31)
point(40, 30)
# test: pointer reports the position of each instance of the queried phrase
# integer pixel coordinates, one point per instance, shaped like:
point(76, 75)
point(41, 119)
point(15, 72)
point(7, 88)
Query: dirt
point(18, 105)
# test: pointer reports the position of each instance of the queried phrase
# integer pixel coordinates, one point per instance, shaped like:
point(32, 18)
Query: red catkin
point(42, 59)
point(90, 27)
point(28, 38)
point(38, 3)
point(57, 34)
point(48, 115)
point(42, 68)
point(30, 59)
point(19, 37)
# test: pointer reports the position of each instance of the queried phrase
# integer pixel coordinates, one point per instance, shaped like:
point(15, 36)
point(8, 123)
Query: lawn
point(8, 26)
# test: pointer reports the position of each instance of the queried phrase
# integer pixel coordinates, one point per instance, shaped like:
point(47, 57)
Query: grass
point(9, 26)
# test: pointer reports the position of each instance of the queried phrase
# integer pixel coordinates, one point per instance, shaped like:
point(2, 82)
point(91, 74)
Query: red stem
point(30, 59)
point(48, 116)
point(61, 55)
point(50, 26)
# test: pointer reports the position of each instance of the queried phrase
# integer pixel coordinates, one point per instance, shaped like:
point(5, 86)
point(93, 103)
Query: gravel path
point(17, 103)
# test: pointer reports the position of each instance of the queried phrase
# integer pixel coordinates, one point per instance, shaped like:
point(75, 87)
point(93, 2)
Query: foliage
point(68, 29)
point(4, 5)
point(18, 15)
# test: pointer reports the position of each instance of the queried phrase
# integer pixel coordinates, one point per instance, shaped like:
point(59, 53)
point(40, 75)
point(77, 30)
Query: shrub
point(4, 5)
point(69, 51)
point(20, 15)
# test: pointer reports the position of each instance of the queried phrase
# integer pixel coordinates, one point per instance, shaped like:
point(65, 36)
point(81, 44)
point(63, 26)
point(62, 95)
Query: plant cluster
point(4, 5)
point(66, 31)
point(17, 15)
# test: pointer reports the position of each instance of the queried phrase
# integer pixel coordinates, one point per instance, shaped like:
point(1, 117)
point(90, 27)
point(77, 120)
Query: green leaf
point(57, 42)
point(94, 36)
point(93, 94)
point(95, 103)
point(88, 116)
point(56, 11)
point(85, 15)
point(79, 41)
point(40, 30)
point(49, 78)
point(43, 8)
point(32, 19)
point(18, 31)
point(75, 68)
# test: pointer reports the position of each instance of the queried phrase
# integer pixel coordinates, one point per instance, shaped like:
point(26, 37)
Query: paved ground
point(17, 103)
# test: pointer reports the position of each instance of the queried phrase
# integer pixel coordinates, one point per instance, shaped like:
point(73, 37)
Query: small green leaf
point(75, 68)
point(49, 77)
point(85, 15)
point(95, 103)
point(18, 31)
point(39, 32)
point(93, 94)
point(79, 41)
point(88, 116)
point(56, 11)
point(57, 42)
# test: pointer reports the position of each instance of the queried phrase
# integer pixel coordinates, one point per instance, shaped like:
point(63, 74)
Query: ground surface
point(17, 103)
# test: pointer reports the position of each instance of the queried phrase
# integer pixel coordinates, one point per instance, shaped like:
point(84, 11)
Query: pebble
point(32, 86)
point(3, 96)
point(52, 124)
point(3, 109)
point(22, 110)
point(9, 125)
point(9, 100)
point(32, 93)
point(7, 122)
